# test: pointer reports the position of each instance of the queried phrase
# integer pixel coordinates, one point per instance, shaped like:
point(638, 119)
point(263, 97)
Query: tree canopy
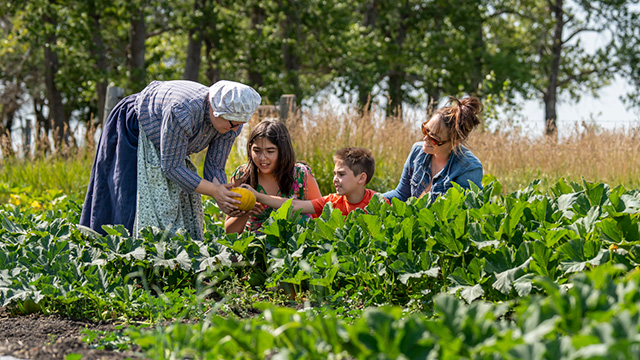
point(58, 56)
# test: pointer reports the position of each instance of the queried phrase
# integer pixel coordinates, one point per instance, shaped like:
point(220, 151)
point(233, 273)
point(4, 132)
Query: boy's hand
point(236, 213)
point(248, 187)
point(257, 209)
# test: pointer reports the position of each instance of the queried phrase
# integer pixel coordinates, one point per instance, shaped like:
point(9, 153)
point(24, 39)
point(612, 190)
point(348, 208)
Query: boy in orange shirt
point(353, 169)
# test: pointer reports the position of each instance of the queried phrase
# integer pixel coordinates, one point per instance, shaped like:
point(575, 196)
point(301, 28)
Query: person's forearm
point(270, 200)
point(276, 202)
point(207, 187)
point(236, 224)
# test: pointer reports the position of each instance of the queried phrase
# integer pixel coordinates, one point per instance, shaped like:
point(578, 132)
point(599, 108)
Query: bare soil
point(40, 337)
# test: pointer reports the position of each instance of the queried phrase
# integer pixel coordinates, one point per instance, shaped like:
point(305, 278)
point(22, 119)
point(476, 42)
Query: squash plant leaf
point(450, 203)
point(585, 225)
point(88, 232)
point(504, 280)
point(499, 261)
point(471, 293)
point(515, 210)
point(371, 224)
point(597, 193)
point(577, 266)
point(631, 201)
point(523, 285)
point(377, 205)
point(400, 207)
point(574, 203)
point(116, 230)
point(11, 227)
point(465, 284)
point(492, 188)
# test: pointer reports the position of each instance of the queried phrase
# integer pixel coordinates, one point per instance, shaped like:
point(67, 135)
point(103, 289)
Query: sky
point(607, 111)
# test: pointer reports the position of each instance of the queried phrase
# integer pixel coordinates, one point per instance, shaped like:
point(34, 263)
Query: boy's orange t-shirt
point(340, 202)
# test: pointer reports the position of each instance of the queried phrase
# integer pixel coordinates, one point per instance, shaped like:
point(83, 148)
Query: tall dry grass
point(587, 152)
point(514, 157)
point(316, 138)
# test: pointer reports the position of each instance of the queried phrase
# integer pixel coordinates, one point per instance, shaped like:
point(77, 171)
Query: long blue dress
point(111, 194)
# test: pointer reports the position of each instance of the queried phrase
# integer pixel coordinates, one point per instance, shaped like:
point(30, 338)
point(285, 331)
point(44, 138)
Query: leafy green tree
point(12, 88)
point(30, 54)
point(416, 52)
point(291, 47)
point(196, 34)
point(627, 49)
point(381, 46)
point(558, 60)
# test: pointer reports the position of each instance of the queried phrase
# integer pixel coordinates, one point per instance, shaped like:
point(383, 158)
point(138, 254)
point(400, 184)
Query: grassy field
point(514, 157)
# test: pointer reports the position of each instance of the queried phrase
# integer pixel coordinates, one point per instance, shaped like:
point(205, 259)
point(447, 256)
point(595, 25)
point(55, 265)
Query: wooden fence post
point(114, 95)
point(287, 107)
point(27, 138)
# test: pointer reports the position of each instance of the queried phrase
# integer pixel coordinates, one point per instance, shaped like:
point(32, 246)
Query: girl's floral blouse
point(301, 174)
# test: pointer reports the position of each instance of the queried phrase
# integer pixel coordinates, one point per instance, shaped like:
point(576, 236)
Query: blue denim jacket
point(461, 168)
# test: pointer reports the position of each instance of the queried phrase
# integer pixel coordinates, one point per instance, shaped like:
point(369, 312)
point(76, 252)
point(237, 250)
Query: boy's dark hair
point(359, 160)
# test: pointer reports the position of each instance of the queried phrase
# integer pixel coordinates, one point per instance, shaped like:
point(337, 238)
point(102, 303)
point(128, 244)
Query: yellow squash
point(248, 200)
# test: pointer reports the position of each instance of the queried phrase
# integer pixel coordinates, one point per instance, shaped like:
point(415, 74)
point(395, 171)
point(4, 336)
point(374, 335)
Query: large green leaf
point(573, 203)
point(505, 280)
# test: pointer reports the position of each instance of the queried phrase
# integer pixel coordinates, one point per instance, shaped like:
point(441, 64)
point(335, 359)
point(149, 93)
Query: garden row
point(491, 257)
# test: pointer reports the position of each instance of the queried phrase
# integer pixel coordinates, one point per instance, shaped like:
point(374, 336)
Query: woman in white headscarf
point(142, 174)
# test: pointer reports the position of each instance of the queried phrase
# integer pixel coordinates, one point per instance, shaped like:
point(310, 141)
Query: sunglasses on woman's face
point(434, 141)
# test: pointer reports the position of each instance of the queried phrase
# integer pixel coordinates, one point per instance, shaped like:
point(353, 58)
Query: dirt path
point(38, 337)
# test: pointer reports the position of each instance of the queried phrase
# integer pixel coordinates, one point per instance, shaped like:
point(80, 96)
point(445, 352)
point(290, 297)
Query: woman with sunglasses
point(142, 174)
point(441, 159)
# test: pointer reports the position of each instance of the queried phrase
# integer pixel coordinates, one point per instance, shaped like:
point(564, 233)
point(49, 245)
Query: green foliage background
point(410, 53)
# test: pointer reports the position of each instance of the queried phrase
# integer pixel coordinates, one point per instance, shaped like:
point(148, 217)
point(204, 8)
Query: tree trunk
point(213, 70)
point(258, 17)
point(9, 104)
point(98, 54)
point(432, 89)
point(364, 99)
point(6, 121)
point(369, 17)
point(6, 124)
point(432, 106)
point(550, 94)
point(370, 14)
point(138, 35)
point(398, 75)
point(396, 94)
point(41, 139)
point(54, 98)
point(290, 31)
point(38, 110)
point(194, 49)
point(477, 50)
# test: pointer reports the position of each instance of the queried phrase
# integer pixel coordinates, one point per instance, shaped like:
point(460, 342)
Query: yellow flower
point(15, 199)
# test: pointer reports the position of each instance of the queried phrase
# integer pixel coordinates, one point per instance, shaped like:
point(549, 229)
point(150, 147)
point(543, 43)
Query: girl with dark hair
point(441, 158)
point(271, 169)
